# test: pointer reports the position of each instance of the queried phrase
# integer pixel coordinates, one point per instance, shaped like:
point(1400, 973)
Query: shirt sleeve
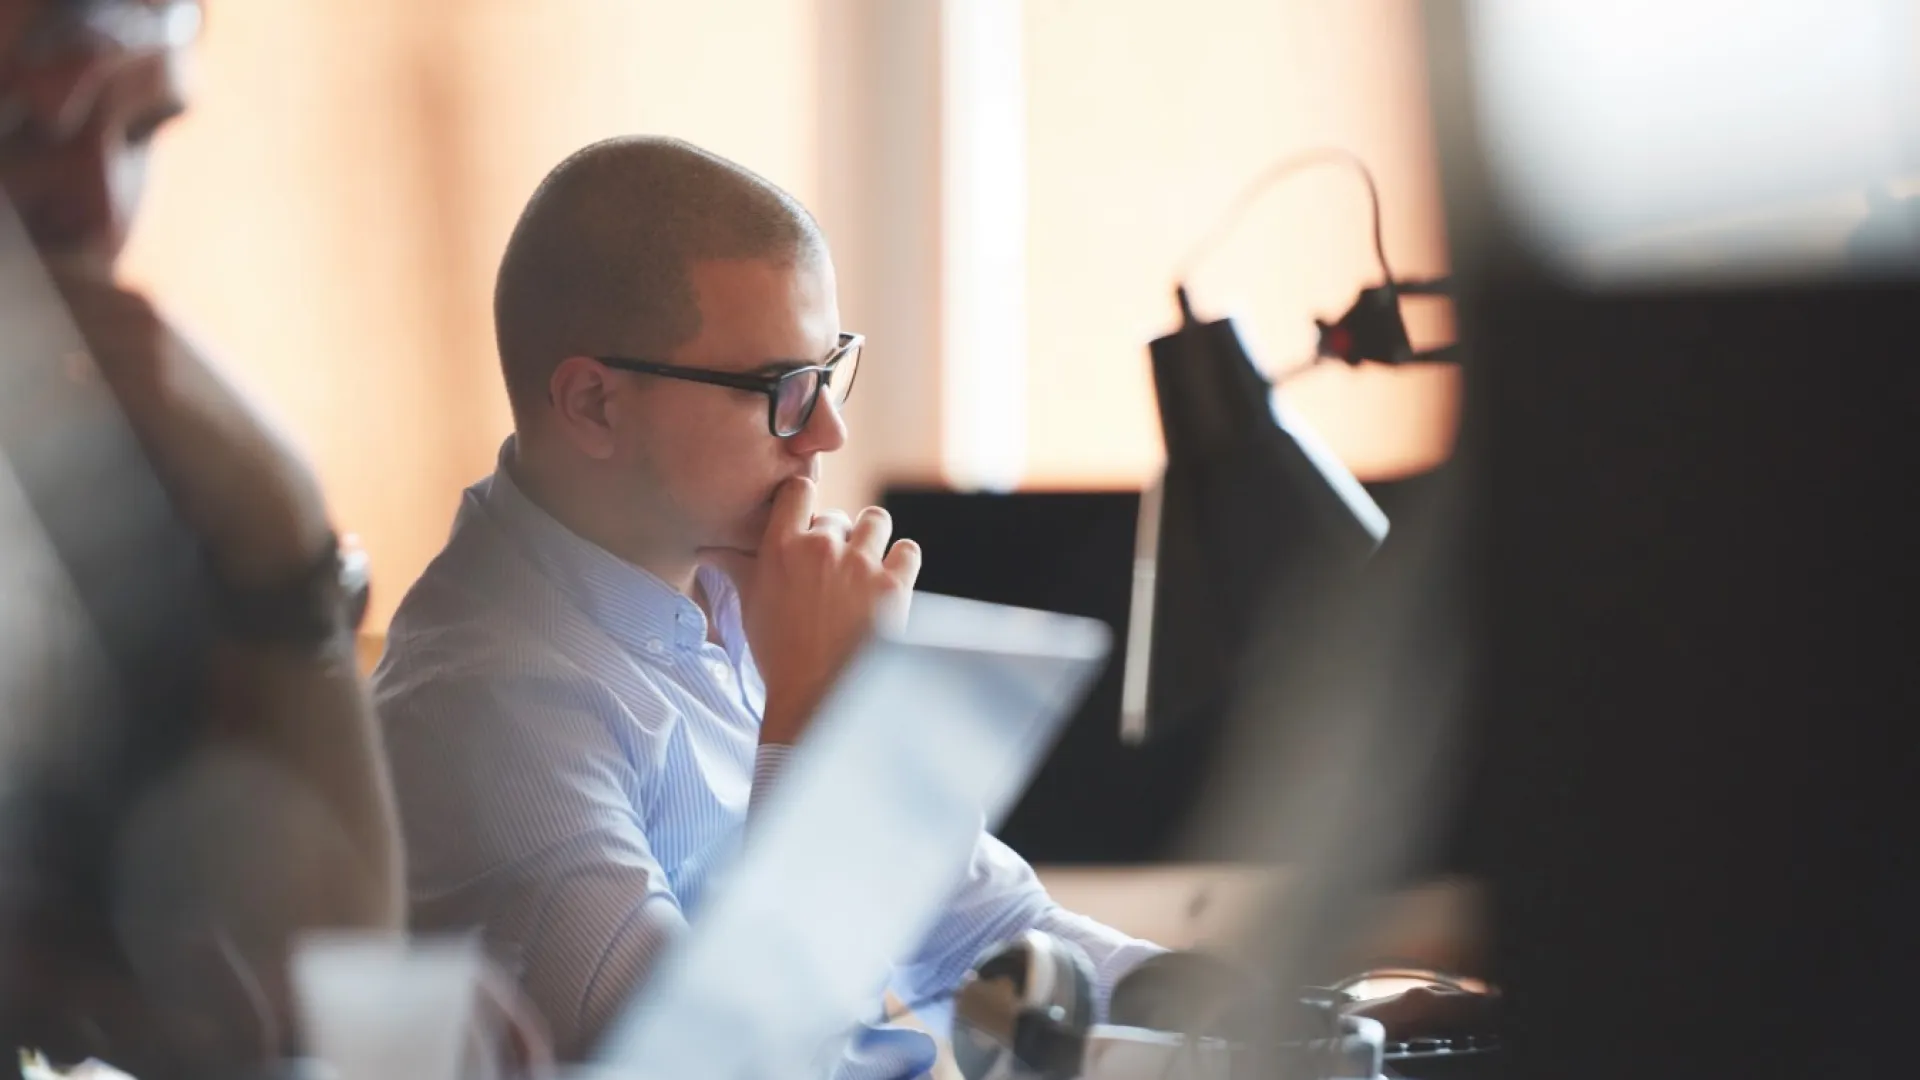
point(999, 899)
point(1112, 952)
point(517, 796)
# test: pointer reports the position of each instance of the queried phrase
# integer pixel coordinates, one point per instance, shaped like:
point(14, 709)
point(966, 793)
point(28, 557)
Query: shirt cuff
point(1113, 953)
point(768, 763)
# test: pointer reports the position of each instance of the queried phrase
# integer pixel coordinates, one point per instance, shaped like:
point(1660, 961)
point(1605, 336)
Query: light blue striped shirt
point(574, 759)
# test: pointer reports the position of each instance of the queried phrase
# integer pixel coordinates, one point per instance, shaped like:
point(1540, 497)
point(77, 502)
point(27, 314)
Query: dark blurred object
point(1697, 586)
point(1250, 518)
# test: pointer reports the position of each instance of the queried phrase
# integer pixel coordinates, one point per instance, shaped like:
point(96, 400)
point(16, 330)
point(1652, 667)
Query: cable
point(1280, 377)
point(1273, 174)
point(1268, 178)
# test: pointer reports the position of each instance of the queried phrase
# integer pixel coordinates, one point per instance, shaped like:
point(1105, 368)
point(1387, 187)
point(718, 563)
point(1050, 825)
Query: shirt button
point(721, 671)
point(655, 645)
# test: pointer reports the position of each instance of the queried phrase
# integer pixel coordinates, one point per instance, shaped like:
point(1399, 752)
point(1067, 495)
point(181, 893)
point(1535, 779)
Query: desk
point(1438, 925)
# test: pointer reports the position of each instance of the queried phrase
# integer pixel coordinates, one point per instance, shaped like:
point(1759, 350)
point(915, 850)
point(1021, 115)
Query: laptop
point(929, 737)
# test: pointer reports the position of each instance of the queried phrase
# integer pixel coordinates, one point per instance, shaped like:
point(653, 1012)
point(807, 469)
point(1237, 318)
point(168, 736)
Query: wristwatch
point(307, 610)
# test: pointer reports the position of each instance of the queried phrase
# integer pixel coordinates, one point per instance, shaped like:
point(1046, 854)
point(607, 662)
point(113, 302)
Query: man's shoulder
point(476, 608)
point(450, 626)
point(463, 655)
point(431, 666)
point(482, 637)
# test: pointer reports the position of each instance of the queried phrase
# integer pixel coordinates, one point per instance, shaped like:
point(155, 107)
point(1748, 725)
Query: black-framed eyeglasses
point(791, 394)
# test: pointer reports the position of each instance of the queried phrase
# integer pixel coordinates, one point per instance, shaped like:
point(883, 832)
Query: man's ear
point(579, 388)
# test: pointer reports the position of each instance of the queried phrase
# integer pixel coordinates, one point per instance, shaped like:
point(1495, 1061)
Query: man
point(149, 906)
point(590, 689)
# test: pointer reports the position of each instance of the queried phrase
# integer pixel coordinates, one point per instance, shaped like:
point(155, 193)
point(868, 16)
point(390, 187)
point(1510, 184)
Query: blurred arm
point(280, 817)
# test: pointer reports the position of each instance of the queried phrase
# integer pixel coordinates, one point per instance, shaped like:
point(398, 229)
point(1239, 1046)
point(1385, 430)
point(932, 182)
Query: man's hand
point(253, 502)
point(812, 595)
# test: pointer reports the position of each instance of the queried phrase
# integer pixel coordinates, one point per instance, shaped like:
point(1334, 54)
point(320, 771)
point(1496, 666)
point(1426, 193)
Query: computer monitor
point(1095, 800)
point(1099, 799)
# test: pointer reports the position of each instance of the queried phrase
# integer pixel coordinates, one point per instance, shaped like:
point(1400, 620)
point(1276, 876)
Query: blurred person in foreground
point(147, 924)
point(592, 687)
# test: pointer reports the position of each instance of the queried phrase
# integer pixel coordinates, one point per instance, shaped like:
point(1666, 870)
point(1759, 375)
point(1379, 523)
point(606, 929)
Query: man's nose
point(826, 430)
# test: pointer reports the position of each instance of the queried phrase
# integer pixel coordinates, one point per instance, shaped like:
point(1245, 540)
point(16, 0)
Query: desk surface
point(1439, 925)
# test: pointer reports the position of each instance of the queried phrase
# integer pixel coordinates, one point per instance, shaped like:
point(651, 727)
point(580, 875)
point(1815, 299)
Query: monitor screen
point(1098, 799)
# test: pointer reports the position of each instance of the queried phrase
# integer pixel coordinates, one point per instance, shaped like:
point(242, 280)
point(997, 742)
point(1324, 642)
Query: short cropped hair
point(599, 262)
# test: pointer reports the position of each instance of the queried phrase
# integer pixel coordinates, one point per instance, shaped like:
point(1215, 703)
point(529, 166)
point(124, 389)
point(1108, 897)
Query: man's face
point(703, 460)
point(80, 101)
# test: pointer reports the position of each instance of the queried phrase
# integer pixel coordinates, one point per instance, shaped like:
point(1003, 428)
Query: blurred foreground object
point(1639, 143)
point(190, 774)
point(1691, 430)
point(376, 1007)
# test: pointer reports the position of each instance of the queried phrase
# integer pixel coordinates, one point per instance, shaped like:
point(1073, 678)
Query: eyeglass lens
point(798, 394)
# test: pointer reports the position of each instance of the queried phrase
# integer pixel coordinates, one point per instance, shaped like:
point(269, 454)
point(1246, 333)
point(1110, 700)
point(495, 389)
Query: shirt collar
point(642, 612)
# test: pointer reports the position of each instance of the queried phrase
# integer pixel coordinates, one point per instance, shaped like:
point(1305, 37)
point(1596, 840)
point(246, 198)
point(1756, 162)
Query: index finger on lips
point(792, 508)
